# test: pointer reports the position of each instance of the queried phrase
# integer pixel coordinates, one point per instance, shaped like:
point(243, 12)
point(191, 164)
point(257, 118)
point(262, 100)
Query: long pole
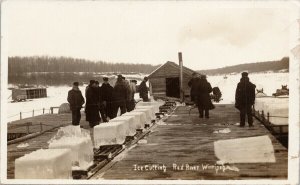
point(181, 76)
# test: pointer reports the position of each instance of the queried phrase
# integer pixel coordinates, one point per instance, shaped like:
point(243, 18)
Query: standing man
point(131, 103)
point(106, 92)
point(193, 85)
point(119, 96)
point(143, 89)
point(244, 99)
point(203, 97)
point(76, 101)
point(92, 105)
point(127, 85)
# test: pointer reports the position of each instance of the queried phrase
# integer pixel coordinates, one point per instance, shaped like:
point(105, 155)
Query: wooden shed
point(165, 81)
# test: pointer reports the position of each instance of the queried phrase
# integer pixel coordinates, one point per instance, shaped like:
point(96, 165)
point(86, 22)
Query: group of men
point(244, 97)
point(105, 100)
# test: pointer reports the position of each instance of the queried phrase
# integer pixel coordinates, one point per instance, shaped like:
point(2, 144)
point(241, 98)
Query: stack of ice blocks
point(44, 164)
point(110, 133)
point(78, 141)
point(150, 107)
point(131, 123)
point(278, 109)
point(140, 116)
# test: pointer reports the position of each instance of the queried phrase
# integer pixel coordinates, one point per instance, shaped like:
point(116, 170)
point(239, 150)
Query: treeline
point(18, 65)
point(275, 66)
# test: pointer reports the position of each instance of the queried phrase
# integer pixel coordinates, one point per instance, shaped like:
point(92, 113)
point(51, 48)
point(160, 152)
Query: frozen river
point(58, 94)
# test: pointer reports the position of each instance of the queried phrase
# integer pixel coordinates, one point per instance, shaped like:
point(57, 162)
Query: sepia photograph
point(149, 92)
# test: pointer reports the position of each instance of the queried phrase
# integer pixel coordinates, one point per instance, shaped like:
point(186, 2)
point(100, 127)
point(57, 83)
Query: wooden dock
point(187, 139)
point(182, 139)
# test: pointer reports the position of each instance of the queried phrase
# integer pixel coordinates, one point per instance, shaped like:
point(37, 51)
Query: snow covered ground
point(58, 95)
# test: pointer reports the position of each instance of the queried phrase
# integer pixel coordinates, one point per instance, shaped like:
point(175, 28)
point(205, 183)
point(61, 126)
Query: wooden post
point(33, 113)
point(43, 110)
point(181, 77)
point(51, 110)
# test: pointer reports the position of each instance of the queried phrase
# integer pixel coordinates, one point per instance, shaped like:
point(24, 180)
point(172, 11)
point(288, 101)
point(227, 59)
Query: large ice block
point(245, 150)
point(155, 104)
point(130, 121)
point(110, 133)
point(278, 109)
point(76, 139)
point(148, 113)
point(44, 164)
point(81, 148)
point(151, 107)
point(140, 116)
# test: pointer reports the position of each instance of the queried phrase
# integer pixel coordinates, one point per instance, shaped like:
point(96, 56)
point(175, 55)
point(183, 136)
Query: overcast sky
point(210, 35)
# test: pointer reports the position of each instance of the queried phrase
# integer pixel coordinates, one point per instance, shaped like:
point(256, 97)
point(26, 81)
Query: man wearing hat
point(106, 92)
point(143, 89)
point(204, 103)
point(76, 101)
point(244, 99)
point(120, 95)
point(193, 85)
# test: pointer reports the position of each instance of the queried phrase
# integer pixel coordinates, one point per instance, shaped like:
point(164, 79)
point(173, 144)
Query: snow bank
point(78, 141)
point(245, 150)
point(130, 121)
point(140, 116)
point(110, 133)
point(44, 164)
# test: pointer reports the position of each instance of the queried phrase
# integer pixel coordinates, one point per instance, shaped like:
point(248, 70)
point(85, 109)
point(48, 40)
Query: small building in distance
point(20, 94)
point(164, 81)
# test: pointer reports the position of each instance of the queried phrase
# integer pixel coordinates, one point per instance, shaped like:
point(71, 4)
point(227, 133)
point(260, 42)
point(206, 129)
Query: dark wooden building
point(165, 81)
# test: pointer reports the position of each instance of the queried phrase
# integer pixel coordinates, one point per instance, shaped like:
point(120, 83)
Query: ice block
point(110, 133)
point(155, 104)
point(148, 113)
point(44, 164)
point(81, 149)
point(140, 116)
point(130, 121)
point(245, 150)
point(151, 107)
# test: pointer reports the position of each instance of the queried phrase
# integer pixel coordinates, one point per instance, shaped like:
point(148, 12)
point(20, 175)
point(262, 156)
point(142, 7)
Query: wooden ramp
point(183, 148)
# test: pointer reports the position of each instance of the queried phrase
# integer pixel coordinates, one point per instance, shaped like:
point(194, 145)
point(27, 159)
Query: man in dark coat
point(131, 103)
point(106, 94)
point(119, 97)
point(203, 97)
point(100, 102)
point(244, 99)
point(92, 105)
point(76, 101)
point(193, 85)
point(143, 89)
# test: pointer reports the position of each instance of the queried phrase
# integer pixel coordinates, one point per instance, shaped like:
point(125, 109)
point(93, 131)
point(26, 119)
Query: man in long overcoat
point(143, 89)
point(193, 85)
point(120, 95)
point(244, 99)
point(107, 95)
point(92, 105)
point(203, 98)
point(76, 101)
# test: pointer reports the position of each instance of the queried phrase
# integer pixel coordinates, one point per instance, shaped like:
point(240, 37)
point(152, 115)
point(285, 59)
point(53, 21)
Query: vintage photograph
point(148, 90)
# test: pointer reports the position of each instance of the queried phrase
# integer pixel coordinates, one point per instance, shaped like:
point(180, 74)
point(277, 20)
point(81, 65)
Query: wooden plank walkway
point(187, 139)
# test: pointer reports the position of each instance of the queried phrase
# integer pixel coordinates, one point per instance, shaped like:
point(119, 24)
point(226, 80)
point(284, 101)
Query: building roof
point(173, 64)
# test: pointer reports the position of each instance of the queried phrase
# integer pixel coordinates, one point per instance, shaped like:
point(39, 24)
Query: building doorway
point(172, 87)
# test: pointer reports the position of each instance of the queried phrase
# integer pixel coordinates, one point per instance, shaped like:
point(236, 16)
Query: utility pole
point(181, 77)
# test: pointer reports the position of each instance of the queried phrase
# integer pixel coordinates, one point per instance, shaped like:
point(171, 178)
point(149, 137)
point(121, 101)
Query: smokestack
point(181, 77)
